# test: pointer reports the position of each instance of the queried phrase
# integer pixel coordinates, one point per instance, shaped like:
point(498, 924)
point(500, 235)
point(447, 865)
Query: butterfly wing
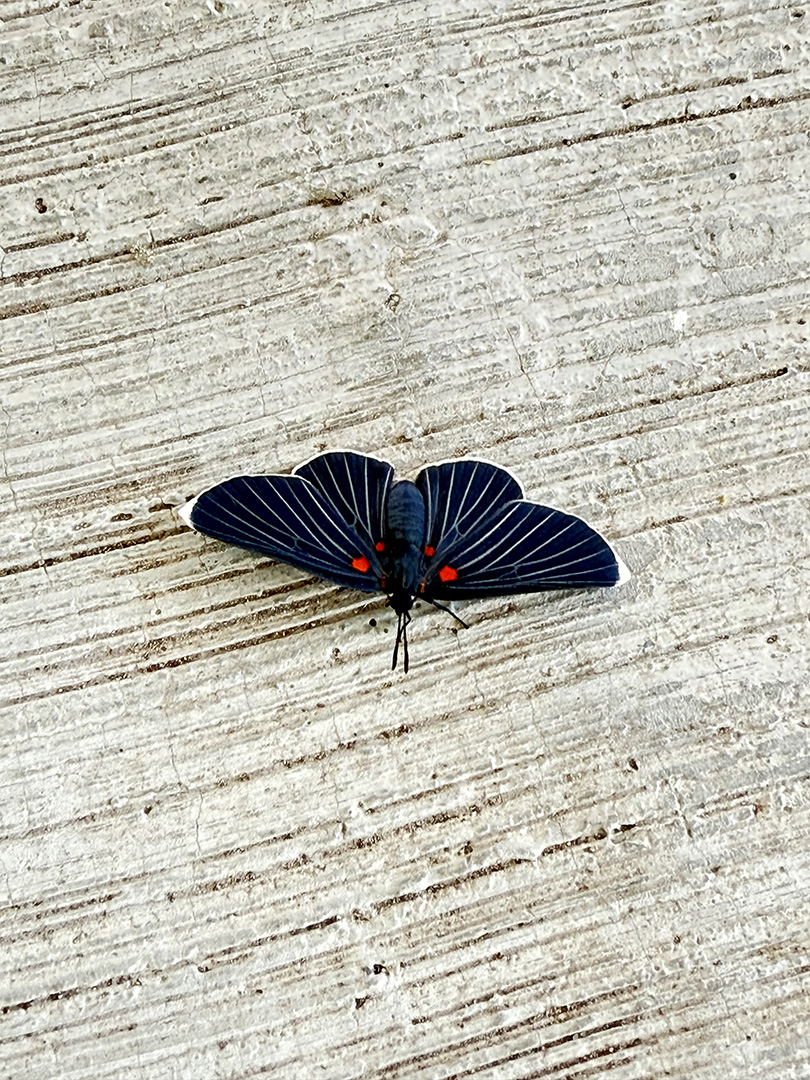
point(355, 486)
point(458, 496)
point(325, 518)
point(487, 540)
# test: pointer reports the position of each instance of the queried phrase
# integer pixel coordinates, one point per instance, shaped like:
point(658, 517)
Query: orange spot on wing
point(447, 573)
point(430, 551)
point(361, 563)
point(379, 546)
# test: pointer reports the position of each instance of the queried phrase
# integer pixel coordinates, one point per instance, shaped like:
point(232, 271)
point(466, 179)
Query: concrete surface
point(573, 840)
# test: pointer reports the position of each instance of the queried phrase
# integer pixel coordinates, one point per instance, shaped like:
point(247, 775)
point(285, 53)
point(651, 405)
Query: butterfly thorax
point(405, 524)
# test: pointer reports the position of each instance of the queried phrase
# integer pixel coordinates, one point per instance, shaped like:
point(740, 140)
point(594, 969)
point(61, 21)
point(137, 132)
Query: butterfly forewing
point(355, 486)
point(458, 496)
point(289, 518)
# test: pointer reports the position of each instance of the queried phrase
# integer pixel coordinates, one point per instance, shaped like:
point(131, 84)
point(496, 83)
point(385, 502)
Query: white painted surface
point(573, 840)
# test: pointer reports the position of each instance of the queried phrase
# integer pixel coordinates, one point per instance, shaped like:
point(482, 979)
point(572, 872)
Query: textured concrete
point(573, 841)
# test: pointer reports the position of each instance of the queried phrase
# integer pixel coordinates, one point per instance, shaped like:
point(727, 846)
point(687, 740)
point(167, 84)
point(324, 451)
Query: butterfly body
point(404, 539)
point(462, 529)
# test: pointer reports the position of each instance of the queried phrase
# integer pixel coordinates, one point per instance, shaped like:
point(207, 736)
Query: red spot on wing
point(379, 546)
point(447, 573)
point(430, 551)
point(361, 563)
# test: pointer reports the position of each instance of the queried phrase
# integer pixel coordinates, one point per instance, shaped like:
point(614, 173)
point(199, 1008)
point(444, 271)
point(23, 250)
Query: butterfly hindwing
point(322, 518)
point(485, 539)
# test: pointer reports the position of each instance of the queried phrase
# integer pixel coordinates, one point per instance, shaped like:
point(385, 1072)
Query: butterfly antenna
point(399, 638)
point(442, 607)
point(402, 635)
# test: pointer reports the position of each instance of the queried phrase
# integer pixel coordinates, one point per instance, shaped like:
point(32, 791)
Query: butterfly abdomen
point(405, 523)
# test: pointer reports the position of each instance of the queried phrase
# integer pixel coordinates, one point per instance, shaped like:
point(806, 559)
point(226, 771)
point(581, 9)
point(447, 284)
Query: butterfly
point(462, 529)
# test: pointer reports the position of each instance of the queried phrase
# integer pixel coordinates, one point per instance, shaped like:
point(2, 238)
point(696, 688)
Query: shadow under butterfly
point(462, 529)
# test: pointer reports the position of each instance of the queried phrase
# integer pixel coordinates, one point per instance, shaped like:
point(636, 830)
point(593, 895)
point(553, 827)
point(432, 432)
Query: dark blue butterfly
point(463, 529)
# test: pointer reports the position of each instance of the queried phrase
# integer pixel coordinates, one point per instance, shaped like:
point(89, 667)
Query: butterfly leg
point(443, 607)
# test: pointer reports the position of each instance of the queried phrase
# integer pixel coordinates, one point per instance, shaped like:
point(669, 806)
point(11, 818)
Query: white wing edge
point(624, 573)
point(337, 450)
point(185, 510)
point(482, 461)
